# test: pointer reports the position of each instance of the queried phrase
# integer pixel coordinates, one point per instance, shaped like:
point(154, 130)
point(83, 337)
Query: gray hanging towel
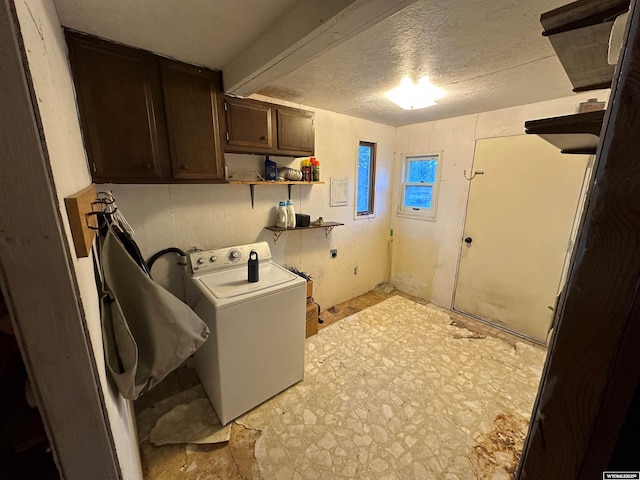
point(147, 331)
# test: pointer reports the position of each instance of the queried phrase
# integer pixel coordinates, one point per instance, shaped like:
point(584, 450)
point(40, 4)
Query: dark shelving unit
point(577, 134)
point(579, 33)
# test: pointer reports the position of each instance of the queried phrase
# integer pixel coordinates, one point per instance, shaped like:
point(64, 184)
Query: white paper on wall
point(339, 191)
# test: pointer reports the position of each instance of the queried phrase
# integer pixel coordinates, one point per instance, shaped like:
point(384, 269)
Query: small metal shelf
point(328, 226)
point(266, 182)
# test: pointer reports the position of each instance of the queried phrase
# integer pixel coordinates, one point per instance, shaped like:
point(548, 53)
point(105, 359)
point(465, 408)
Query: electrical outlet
point(333, 252)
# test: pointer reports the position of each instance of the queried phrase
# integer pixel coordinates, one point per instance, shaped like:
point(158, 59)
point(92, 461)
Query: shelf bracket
point(289, 188)
point(327, 230)
point(276, 235)
point(251, 189)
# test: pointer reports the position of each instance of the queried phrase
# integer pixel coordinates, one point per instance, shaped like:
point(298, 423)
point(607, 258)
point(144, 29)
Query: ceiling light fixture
point(412, 96)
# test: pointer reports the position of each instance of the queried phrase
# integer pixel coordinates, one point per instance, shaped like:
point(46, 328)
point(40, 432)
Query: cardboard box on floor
point(312, 319)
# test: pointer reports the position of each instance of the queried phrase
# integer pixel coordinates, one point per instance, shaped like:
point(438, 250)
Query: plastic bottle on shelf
point(291, 215)
point(305, 166)
point(312, 162)
point(281, 215)
point(316, 170)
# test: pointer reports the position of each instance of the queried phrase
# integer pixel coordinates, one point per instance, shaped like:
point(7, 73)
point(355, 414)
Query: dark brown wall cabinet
point(249, 125)
point(145, 119)
point(265, 128)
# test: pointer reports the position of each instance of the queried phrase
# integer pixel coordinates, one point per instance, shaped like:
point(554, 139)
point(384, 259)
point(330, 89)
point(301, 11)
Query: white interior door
point(517, 232)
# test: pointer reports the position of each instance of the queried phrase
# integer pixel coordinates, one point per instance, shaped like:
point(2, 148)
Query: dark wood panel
point(42, 293)
point(249, 125)
point(190, 98)
point(120, 100)
point(296, 131)
point(586, 388)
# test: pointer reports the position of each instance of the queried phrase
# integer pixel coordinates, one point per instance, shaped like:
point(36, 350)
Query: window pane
point(364, 178)
point(422, 171)
point(417, 196)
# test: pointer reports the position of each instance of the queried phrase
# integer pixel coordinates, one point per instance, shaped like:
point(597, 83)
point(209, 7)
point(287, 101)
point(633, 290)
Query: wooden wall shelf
point(328, 226)
point(579, 33)
point(576, 134)
point(78, 205)
point(262, 182)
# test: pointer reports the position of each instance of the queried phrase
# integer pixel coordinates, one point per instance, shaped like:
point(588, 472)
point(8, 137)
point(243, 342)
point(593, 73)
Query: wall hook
point(477, 172)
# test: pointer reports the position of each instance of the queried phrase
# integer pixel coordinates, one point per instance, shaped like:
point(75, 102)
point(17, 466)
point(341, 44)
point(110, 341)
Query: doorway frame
point(575, 224)
point(39, 281)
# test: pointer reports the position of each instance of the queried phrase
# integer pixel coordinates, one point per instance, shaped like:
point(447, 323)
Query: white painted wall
point(49, 68)
point(425, 254)
point(212, 216)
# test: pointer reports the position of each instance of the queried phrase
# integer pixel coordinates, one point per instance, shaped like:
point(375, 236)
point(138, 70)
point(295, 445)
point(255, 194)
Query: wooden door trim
point(42, 293)
point(592, 369)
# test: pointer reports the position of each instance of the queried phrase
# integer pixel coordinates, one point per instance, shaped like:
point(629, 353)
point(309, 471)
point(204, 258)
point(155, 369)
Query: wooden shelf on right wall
point(577, 134)
point(579, 33)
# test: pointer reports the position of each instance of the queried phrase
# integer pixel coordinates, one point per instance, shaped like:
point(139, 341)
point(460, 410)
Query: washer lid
point(233, 282)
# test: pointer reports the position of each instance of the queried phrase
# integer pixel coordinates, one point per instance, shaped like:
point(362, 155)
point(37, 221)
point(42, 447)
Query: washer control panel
point(211, 260)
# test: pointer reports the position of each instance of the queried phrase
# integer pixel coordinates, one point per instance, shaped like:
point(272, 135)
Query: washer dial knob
point(234, 255)
point(200, 261)
point(212, 258)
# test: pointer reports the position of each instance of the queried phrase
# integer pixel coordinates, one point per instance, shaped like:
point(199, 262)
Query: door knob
point(468, 240)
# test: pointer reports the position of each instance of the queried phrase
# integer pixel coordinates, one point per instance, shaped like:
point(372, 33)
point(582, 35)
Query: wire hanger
point(117, 218)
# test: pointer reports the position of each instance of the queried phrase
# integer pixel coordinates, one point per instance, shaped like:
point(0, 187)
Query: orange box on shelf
point(309, 288)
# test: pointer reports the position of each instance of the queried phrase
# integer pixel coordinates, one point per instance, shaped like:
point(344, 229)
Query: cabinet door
point(190, 99)
point(249, 126)
point(120, 101)
point(296, 132)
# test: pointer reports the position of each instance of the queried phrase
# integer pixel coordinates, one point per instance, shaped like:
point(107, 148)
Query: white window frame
point(427, 214)
point(356, 215)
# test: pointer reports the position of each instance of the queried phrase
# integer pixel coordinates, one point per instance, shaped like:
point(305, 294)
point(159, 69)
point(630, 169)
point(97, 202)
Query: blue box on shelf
point(270, 170)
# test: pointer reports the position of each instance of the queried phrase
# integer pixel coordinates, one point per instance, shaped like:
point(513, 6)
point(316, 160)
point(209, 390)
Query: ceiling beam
point(308, 30)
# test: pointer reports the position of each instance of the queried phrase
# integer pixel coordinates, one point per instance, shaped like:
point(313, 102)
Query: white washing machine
point(256, 346)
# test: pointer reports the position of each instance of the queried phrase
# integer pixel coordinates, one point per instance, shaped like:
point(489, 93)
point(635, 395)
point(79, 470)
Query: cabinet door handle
point(263, 137)
point(148, 166)
point(184, 166)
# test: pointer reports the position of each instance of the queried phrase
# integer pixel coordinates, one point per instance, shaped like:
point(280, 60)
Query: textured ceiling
point(487, 54)
point(204, 32)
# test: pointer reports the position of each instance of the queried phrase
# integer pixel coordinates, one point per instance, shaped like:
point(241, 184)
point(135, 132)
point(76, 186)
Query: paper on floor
point(194, 422)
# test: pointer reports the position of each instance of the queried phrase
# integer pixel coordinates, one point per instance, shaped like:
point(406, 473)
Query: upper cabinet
point(296, 131)
point(145, 119)
point(265, 128)
point(119, 92)
point(249, 125)
point(191, 105)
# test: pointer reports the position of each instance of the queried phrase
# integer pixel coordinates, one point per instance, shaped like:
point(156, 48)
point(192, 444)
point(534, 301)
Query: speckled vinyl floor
point(395, 391)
